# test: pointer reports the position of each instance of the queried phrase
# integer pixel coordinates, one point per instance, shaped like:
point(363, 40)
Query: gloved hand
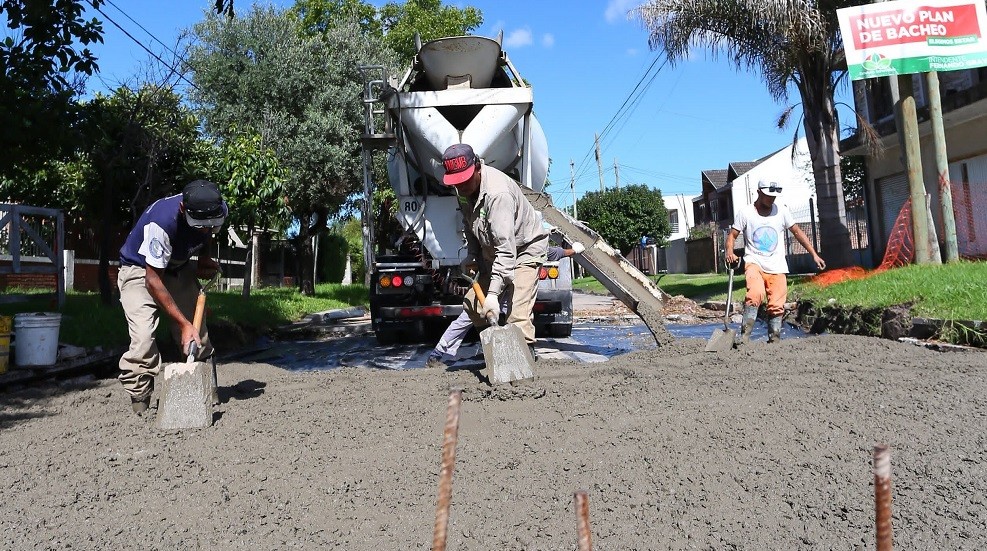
point(491, 305)
point(577, 247)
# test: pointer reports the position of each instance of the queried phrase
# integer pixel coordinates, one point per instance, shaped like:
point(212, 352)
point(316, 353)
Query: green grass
point(951, 292)
point(87, 322)
point(698, 287)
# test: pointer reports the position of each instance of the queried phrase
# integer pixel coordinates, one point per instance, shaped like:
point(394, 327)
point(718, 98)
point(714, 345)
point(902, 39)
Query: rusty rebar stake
point(448, 465)
point(581, 501)
point(882, 496)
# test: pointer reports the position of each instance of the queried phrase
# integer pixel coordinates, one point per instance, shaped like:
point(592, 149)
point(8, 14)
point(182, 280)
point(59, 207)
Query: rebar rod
point(449, 438)
point(882, 496)
point(581, 501)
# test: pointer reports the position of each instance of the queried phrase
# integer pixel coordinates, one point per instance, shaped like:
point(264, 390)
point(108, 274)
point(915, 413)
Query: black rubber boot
point(747, 326)
point(774, 329)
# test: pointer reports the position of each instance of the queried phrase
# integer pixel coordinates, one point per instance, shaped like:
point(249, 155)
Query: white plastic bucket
point(36, 338)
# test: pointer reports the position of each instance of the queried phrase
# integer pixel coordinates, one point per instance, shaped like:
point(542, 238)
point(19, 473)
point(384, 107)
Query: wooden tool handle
point(200, 309)
point(491, 318)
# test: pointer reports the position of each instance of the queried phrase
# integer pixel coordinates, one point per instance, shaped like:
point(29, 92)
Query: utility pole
point(616, 173)
point(911, 150)
point(599, 163)
point(572, 187)
point(942, 166)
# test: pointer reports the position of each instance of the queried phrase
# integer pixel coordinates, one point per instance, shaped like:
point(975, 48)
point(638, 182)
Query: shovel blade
point(186, 396)
point(721, 341)
point(506, 354)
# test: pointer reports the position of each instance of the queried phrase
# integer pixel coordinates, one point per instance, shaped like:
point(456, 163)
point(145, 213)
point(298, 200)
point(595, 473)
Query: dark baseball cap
point(460, 164)
point(204, 205)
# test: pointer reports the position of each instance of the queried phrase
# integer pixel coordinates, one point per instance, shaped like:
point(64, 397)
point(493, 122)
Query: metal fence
point(32, 241)
point(856, 224)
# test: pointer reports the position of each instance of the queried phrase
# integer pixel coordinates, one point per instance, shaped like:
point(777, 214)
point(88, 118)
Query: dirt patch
point(677, 309)
point(767, 447)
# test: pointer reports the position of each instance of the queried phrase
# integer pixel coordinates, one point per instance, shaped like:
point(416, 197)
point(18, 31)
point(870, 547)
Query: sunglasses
point(773, 188)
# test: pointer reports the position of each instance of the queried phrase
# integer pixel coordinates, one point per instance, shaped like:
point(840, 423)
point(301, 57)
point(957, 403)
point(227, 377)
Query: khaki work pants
point(519, 295)
point(760, 284)
point(142, 362)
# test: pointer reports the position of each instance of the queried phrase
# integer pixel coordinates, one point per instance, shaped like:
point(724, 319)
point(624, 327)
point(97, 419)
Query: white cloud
point(518, 38)
point(617, 9)
point(631, 52)
point(548, 40)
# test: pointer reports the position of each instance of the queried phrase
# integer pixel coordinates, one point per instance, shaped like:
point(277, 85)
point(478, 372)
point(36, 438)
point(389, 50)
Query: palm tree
point(790, 43)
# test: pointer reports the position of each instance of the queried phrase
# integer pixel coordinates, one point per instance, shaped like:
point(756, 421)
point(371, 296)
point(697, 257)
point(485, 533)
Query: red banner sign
point(903, 26)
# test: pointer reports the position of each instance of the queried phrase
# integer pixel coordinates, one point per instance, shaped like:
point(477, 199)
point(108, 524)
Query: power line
point(149, 33)
point(658, 174)
point(629, 104)
point(141, 44)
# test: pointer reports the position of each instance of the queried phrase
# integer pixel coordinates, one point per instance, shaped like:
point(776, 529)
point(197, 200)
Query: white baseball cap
point(769, 188)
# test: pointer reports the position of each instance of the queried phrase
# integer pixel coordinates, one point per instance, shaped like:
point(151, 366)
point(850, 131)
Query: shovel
point(722, 339)
point(188, 389)
point(505, 353)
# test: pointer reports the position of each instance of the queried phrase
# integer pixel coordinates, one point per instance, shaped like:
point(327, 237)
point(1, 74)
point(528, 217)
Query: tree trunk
point(822, 137)
point(306, 273)
point(105, 229)
point(248, 268)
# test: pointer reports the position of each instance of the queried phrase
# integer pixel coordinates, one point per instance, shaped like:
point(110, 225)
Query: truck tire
point(560, 330)
point(387, 336)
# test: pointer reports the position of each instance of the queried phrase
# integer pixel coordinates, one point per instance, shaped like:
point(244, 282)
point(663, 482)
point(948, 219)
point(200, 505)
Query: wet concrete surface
point(591, 342)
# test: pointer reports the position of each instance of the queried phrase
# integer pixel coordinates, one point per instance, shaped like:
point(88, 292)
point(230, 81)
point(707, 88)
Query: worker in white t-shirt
point(763, 224)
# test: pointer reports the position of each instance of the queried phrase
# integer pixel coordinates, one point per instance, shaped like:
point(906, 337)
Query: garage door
point(968, 181)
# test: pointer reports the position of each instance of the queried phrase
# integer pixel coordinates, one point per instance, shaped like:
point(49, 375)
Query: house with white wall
point(680, 214)
point(792, 171)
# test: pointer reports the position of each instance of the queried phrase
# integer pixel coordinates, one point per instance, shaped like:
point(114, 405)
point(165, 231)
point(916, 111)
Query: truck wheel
point(560, 330)
point(386, 336)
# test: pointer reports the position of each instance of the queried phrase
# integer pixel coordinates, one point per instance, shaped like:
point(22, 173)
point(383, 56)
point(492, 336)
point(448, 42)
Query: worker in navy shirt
point(157, 274)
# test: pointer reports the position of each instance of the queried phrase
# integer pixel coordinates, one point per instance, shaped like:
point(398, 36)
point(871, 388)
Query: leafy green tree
point(854, 172)
point(623, 216)
point(316, 17)
point(42, 55)
point(790, 43)
point(429, 19)
point(252, 182)
point(393, 24)
point(136, 146)
point(352, 231)
point(300, 93)
point(140, 145)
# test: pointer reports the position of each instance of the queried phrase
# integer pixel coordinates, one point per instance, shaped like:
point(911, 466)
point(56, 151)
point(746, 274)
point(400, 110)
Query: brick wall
point(86, 277)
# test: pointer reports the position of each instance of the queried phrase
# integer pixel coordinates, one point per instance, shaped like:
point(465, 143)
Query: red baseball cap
point(460, 164)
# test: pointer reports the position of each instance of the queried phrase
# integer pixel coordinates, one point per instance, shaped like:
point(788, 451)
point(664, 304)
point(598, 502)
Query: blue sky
point(584, 60)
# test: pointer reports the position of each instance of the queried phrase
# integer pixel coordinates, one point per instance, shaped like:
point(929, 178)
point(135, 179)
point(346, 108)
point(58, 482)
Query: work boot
point(747, 326)
point(434, 361)
point(774, 329)
point(140, 403)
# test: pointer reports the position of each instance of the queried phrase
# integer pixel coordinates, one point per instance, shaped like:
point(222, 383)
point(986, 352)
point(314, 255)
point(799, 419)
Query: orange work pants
point(759, 284)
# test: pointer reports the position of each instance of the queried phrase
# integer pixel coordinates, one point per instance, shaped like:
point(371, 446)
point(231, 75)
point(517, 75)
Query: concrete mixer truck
point(458, 90)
